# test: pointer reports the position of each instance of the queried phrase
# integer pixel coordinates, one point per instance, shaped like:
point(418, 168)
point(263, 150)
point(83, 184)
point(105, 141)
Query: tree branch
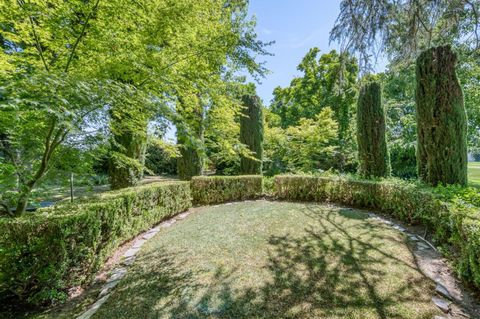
point(21, 3)
point(82, 33)
point(476, 22)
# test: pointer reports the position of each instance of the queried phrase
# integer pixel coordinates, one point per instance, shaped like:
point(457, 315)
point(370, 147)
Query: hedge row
point(455, 227)
point(44, 253)
point(220, 189)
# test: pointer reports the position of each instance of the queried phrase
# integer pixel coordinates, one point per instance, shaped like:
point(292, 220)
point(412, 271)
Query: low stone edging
point(127, 260)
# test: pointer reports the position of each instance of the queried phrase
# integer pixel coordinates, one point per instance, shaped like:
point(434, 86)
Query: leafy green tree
point(306, 147)
point(441, 119)
point(373, 155)
point(251, 134)
point(468, 71)
point(159, 47)
point(53, 107)
point(328, 80)
point(222, 142)
point(161, 157)
point(128, 127)
point(399, 97)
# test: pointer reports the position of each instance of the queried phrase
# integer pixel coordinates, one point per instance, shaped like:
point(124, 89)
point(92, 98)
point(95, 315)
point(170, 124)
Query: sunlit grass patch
point(274, 260)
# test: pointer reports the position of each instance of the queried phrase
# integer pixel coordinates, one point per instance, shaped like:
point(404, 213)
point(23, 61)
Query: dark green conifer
point(251, 134)
point(441, 119)
point(372, 146)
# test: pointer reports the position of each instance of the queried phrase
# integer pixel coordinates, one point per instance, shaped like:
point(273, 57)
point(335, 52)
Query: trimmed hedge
point(44, 253)
point(455, 227)
point(219, 189)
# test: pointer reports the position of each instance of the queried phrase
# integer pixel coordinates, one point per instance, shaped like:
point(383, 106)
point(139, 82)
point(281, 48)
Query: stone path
point(127, 259)
point(452, 301)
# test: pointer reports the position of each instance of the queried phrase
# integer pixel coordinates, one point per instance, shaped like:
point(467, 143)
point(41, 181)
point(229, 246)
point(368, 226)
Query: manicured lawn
point(274, 260)
point(474, 173)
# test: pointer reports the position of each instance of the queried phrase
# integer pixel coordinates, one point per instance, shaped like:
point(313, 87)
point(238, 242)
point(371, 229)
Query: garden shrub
point(44, 253)
point(218, 189)
point(455, 226)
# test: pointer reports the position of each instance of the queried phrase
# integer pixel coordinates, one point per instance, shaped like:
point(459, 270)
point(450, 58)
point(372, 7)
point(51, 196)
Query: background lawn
point(474, 173)
point(274, 260)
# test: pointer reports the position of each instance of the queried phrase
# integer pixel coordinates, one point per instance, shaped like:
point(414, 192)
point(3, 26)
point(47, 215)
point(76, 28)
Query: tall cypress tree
point(251, 134)
point(441, 119)
point(372, 146)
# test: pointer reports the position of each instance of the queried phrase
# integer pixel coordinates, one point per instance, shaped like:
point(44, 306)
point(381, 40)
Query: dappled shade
point(274, 260)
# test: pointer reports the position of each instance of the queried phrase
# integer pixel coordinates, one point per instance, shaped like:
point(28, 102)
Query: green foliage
point(441, 119)
point(190, 134)
point(222, 142)
point(373, 155)
point(56, 248)
point(398, 97)
point(464, 196)
point(455, 227)
point(468, 72)
point(161, 157)
point(251, 134)
point(306, 147)
point(403, 159)
point(220, 189)
point(55, 108)
point(327, 81)
point(154, 49)
point(129, 115)
point(319, 87)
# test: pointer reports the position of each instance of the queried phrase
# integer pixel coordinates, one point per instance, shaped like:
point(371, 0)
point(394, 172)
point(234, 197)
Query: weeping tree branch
point(476, 22)
point(403, 30)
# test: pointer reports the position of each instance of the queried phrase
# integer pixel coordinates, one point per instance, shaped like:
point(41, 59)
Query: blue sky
point(296, 26)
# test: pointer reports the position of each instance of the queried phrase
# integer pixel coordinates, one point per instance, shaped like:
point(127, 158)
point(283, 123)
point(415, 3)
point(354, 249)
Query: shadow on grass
point(331, 270)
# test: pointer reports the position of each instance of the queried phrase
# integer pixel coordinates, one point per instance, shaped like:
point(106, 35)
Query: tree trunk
point(441, 119)
point(22, 202)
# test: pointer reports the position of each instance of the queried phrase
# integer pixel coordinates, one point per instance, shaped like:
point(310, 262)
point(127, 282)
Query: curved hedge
point(455, 227)
point(219, 189)
point(43, 254)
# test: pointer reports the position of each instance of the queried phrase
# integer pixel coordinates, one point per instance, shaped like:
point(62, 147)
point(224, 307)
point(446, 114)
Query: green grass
point(474, 173)
point(274, 260)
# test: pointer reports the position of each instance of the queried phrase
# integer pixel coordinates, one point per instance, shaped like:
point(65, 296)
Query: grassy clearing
point(274, 260)
point(474, 173)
